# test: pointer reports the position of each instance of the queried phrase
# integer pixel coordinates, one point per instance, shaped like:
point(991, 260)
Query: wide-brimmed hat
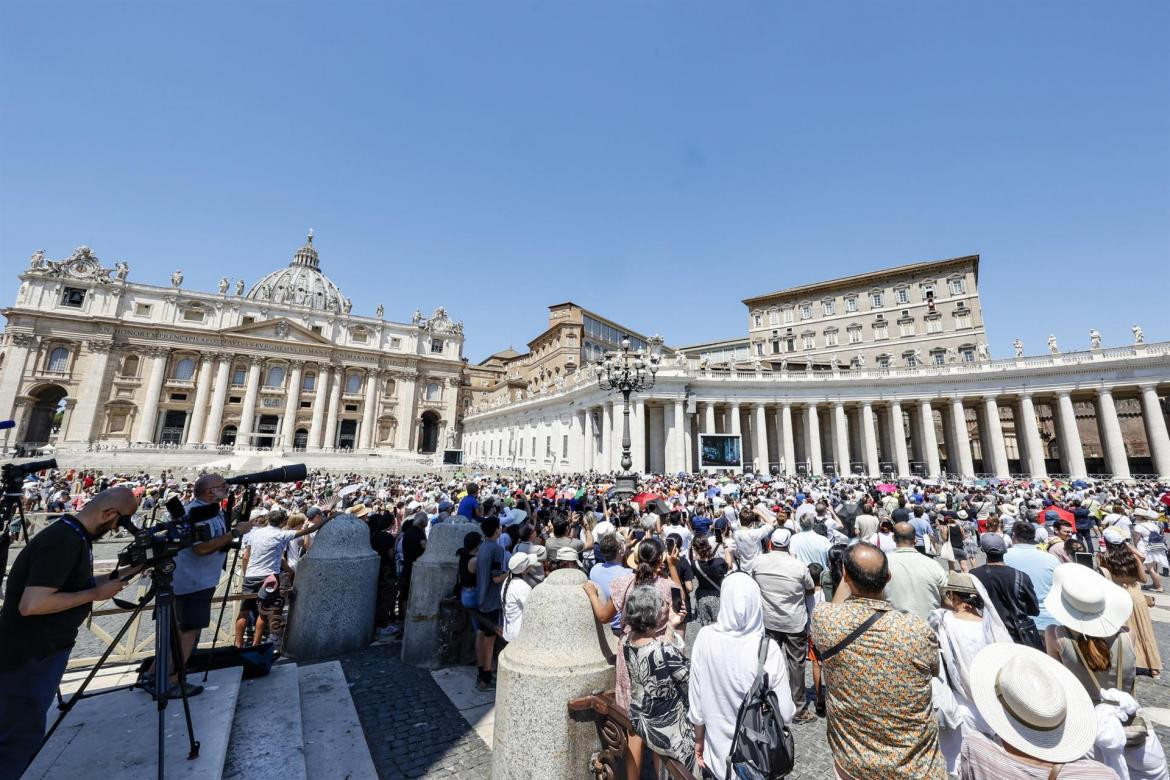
point(359, 510)
point(960, 582)
point(1086, 602)
point(1033, 703)
point(521, 562)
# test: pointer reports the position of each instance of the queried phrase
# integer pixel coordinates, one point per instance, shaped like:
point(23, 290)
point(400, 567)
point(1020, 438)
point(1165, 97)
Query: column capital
point(158, 352)
point(21, 339)
point(1105, 391)
point(1148, 387)
point(256, 360)
point(1064, 394)
point(992, 397)
point(296, 365)
point(101, 347)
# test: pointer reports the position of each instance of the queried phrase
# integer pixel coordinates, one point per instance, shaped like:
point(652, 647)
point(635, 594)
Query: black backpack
point(762, 746)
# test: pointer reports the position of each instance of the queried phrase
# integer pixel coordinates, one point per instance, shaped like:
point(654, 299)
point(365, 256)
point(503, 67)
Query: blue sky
point(654, 161)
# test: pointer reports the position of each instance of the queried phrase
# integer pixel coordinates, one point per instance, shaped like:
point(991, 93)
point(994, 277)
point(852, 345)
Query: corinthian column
point(158, 367)
point(218, 397)
point(251, 392)
point(202, 390)
point(320, 393)
point(89, 393)
point(334, 406)
point(292, 402)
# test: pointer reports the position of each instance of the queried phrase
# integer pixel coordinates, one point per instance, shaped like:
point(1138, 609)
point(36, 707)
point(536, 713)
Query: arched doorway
point(43, 416)
point(300, 439)
point(227, 437)
point(428, 432)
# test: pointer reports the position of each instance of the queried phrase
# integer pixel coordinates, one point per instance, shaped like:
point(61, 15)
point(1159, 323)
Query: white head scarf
point(741, 610)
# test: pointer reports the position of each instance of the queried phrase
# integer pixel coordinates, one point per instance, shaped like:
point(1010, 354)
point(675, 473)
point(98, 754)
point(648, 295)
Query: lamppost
point(627, 372)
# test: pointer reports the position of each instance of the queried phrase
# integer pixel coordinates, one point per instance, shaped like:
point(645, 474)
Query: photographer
point(50, 590)
point(197, 571)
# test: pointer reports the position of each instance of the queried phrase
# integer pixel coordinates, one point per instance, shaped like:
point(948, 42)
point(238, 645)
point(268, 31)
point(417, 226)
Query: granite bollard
point(432, 578)
point(558, 656)
point(336, 587)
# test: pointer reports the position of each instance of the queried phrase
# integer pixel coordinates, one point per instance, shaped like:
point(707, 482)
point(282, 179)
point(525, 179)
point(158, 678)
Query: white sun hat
point(1033, 703)
point(1086, 602)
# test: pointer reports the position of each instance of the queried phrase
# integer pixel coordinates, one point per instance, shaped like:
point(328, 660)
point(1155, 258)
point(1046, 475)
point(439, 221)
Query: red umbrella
point(642, 498)
point(1064, 513)
point(886, 487)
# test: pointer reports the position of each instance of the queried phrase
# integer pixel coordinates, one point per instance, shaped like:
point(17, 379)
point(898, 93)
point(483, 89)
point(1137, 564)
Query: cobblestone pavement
point(412, 728)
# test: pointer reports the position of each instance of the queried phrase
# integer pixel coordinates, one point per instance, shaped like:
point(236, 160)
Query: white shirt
point(514, 600)
point(747, 545)
point(811, 547)
point(265, 546)
point(685, 533)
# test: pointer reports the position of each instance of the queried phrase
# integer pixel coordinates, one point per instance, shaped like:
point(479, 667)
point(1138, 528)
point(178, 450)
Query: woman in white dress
point(1149, 537)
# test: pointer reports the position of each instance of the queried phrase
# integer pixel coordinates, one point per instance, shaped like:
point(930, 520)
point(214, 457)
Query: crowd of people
point(973, 629)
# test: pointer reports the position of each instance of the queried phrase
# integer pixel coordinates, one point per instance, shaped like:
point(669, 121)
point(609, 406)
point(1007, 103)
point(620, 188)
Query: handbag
point(1137, 728)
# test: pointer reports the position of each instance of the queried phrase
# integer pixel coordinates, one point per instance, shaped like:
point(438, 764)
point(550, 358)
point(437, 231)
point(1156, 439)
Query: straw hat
point(520, 562)
point(1033, 703)
point(1086, 602)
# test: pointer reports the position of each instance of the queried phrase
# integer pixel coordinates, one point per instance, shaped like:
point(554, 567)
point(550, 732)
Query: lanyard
point(79, 529)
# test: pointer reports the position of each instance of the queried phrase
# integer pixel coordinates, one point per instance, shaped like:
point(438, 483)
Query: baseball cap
point(992, 543)
point(1113, 536)
point(781, 537)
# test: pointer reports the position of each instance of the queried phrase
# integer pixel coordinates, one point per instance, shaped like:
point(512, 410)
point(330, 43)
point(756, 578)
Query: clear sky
point(654, 161)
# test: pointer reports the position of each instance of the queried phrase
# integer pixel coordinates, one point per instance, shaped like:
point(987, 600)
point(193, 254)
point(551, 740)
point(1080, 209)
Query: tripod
point(245, 511)
point(10, 505)
point(166, 650)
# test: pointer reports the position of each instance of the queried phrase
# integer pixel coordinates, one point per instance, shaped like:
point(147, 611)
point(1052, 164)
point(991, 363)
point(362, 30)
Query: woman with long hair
point(1120, 562)
point(709, 573)
point(649, 557)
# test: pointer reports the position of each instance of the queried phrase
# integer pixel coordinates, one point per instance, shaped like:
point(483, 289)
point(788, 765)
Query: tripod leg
point(181, 666)
point(162, 677)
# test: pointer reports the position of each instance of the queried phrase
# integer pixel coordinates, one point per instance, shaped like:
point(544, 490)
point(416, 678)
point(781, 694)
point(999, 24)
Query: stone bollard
point(557, 657)
point(335, 590)
point(432, 579)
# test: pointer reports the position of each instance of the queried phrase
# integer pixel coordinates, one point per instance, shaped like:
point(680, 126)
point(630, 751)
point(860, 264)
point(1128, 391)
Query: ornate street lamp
point(627, 372)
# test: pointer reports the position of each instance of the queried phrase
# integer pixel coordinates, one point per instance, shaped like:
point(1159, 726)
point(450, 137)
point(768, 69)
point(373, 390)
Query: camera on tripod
point(13, 474)
point(163, 541)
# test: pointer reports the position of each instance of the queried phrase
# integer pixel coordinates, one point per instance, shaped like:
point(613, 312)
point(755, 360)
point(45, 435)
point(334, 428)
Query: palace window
point(808, 340)
point(875, 299)
point(757, 321)
point(775, 346)
point(938, 357)
point(957, 286)
point(883, 361)
point(185, 370)
point(829, 306)
point(73, 297)
point(906, 327)
point(927, 290)
point(881, 330)
point(902, 295)
point(806, 311)
point(962, 318)
point(759, 348)
point(968, 353)
point(275, 377)
point(934, 324)
point(58, 361)
point(831, 337)
point(855, 334)
point(911, 359)
point(789, 315)
point(850, 304)
point(773, 317)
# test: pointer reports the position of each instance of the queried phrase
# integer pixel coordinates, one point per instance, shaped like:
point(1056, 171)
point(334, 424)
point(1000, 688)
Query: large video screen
point(720, 451)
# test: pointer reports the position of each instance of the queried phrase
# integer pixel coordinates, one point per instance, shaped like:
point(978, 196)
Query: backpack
point(1157, 539)
point(761, 745)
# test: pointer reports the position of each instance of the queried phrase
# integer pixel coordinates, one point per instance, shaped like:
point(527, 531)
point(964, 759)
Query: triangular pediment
point(279, 329)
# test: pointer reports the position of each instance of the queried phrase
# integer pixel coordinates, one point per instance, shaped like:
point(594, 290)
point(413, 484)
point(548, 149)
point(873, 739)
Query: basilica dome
point(301, 284)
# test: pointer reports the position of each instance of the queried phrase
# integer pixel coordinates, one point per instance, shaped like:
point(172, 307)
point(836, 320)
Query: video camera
point(163, 541)
point(14, 473)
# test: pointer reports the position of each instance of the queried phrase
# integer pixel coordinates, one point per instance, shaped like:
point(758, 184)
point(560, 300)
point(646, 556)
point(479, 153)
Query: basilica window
point(432, 391)
point(193, 314)
point(390, 386)
point(142, 309)
point(359, 335)
point(184, 370)
point(130, 366)
point(239, 376)
point(436, 346)
point(353, 383)
point(275, 377)
point(58, 361)
point(309, 382)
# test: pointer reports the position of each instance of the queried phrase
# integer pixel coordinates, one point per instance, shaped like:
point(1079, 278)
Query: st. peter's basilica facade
point(93, 357)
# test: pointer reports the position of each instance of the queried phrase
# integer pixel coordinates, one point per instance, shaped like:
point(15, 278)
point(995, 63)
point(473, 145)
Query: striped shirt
point(983, 759)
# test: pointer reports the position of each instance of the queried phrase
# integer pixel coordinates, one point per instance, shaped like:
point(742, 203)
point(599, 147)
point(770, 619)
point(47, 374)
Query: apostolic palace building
point(887, 372)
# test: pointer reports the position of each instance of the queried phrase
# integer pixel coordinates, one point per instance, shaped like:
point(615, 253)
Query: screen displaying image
point(453, 457)
point(720, 451)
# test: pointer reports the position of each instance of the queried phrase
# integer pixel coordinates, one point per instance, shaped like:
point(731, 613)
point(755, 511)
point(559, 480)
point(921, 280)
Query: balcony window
point(58, 361)
point(185, 370)
point(275, 377)
point(353, 383)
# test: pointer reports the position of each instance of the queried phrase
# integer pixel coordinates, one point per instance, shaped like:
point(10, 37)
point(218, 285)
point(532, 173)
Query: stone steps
point(297, 722)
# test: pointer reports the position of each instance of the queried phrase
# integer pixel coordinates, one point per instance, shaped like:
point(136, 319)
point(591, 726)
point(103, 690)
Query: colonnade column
point(248, 413)
point(638, 434)
point(583, 448)
point(760, 435)
point(898, 434)
point(965, 466)
point(158, 367)
point(787, 440)
point(841, 438)
point(996, 445)
point(733, 423)
point(1114, 445)
point(334, 405)
point(89, 393)
point(1070, 437)
point(218, 396)
point(607, 437)
point(929, 439)
point(708, 418)
point(812, 426)
point(590, 443)
point(1032, 442)
point(320, 394)
point(1156, 433)
point(869, 440)
point(369, 409)
point(680, 437)
point(203, 381)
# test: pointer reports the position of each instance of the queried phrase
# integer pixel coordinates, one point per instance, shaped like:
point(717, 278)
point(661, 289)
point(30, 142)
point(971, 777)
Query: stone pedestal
point(432, 579)
point(336, 587)
point(557, 657)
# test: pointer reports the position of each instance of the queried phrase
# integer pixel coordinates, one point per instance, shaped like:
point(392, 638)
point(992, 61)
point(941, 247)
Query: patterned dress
point(880, 705)
point(619, 589)
point(658, 699)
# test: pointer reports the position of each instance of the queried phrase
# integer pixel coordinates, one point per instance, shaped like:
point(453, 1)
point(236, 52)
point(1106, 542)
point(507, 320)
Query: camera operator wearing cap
point(49, 593)
point(197, 571)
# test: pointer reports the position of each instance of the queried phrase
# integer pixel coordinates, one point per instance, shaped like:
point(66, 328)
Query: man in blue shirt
point(921, 522)
point(491, 569)
point(469, 505)
point(606, 572)
point(1084, 523)
point(1036, 563)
